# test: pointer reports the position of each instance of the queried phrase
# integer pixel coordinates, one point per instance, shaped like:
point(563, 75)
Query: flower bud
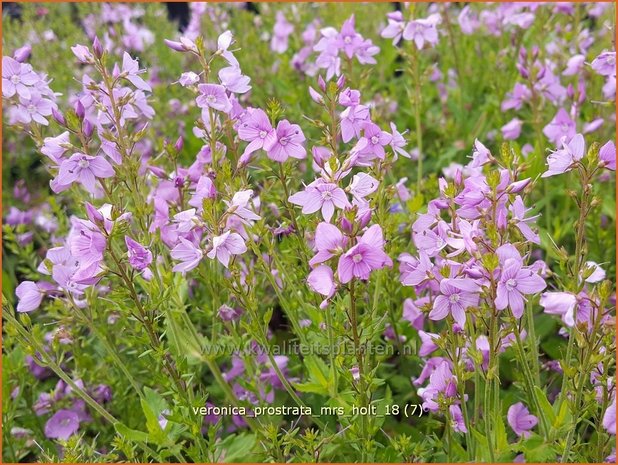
point(80, 111)
point(177, 46)
point(315, 96)
point(341, 82)
point(22, 53)
point(94, 215)
point(179, 144)
point(58, 117)
point(97, 48)
point(322, 83)
point(522, 71)
point(87, 129)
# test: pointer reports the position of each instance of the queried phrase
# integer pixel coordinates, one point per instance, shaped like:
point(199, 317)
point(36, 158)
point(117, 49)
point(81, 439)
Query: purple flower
point(17, 78)
point(213, 96)
point(256, 129)
point(607, 155)
point(363, 185)
point(227, 313)
point(348, 38)
point(516, 98)
point(562, 160)
point(456, 295)
point(131, 71)
point(188, 253)
point(520, 419)
point(560, 126)
point(321, 280)
point(188, 79)
point(519, 210)
point(30, 296)
point(62, 425)
point(287, 142)
point(36, 109)
point(329, 241)
point(427, 343)
point(352, 120)
point(205, 189)
point(423, 31)
point(605, 64)
point(281, 32)
point(55, 147)
point(82, 53)
point(394, 29)
point(512, 129)
point(139, 256)
point(574, 65)
point(372, 144)
point(560, 303)
point(609, 418)
point(321, 195)
point(226, 245)
point(233, 80)
point(84, 169)
point(367, 255)
point(515, 282)
point(457, 420)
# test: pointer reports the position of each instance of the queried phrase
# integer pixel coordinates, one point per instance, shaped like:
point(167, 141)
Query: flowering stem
point(530, 382)
point(111, 350)
point(48, 361)
point(359, 359)
point(417, 114)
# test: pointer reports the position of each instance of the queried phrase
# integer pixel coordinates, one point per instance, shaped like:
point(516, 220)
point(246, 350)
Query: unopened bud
point(97, 48)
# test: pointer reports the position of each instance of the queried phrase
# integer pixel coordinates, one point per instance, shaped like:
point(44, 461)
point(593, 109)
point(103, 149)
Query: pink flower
point(515, 282)
point(367, 255)
point(321, 195)
point(205, 189)
point(83, 169)
point(233, 80)
point(321, 280)
point(256, 129)
point(372, 144)
point(213, 96)
point(562, 160)
point(607, 156)
point(130, 71)
point(560, 126)
point(62, 425)
point(456, 295)
point(560, 303)
point(226, 245)
point(423, 31)
point(281, 32)
point(329, 241)
point(188, 253)
point(139, 256)
point(36, 109)
point(363, 185)
point(17, 78)
point(512, 129)
point(520, 419)
point(519, 210)
point(605, 64)
point(352, 119)
point(55, 147)
point(394, 29)
point(287, 143)
point(30, 296)
point(609, 418)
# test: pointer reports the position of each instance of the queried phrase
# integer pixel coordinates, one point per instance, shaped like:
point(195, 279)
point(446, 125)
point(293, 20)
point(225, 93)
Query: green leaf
point(545, 405)
point(131, 434)
point(536, 450)
point(237, 448)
